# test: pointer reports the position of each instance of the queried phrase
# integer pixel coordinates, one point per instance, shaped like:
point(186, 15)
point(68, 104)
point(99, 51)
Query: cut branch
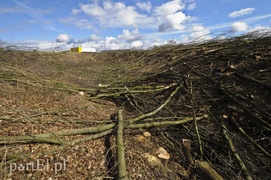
point(122, 173)
point(207, 172)
point(256, 119)
point(29, 139)
point(241, 130)
point(50, 138)
point(236, 155)
point(252, 80)
point(96, 129)
point(163, 123)
point(138, 118)
point(195, 121)
point(91, 137)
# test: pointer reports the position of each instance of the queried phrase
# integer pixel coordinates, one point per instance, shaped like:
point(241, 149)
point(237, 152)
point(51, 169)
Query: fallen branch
point(236, 155)
point(132, 100)
point(28, 139)
point(163, 123)
point(140, 117)
point(101, 128)
point(207, 172)
point(25, 116)
point(241, 130)
point(50, 137)
point(13, 158)
point(253, 107)
point(227, 93)
point(97, 129)
point(117, 93)
point(122, 173)
point(194, 119)
point(252, 80)
point(90, 137)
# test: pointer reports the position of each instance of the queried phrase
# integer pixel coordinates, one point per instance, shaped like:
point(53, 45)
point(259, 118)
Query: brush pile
point(205, 105)
point(227, 80)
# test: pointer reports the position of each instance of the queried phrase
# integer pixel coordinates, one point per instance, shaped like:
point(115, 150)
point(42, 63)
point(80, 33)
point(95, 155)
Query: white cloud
point(199, 35)
point(111, 39)
point(113, 14)
point(39, 45)
point(198, 28)
point(144, 6)
point(126, 40)
point(91, 10)
point(111, 43)
point(169, 8)
point(199, 32)
point(136, 44)
point(191, 6)
point(261, 28)
point(173, 22)
point(45, 45)
point(94, 37)
point(75, 11)
point(166, 17)
point(62, 38)
point(170, 17)
point(131, 36)
point(126, 17)
point(241, 12)
point(83, 24)
point(239, 27)
point(247, 20)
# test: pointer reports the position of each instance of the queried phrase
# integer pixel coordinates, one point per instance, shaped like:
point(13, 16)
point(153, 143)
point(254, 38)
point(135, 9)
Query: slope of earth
point(60, 111)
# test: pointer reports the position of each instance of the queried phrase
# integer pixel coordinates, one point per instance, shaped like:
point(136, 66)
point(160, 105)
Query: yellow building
point(76, 49)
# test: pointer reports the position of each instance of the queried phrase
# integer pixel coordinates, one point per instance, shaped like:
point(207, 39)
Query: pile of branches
point(214, 95)
point(228, 81)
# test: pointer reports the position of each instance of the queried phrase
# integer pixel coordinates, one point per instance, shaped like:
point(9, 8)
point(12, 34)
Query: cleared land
point(71, 115)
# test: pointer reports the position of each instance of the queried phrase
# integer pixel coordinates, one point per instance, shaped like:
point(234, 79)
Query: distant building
point(76, 49)
point(82, 49)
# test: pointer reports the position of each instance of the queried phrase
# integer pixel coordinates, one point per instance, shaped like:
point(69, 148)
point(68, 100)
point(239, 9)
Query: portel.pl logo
point(39, 165)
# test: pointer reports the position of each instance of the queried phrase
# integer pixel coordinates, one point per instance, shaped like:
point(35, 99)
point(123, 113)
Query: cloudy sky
point(113, 24)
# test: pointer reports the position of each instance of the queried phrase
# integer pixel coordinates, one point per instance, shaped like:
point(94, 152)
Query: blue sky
point(112, 24)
